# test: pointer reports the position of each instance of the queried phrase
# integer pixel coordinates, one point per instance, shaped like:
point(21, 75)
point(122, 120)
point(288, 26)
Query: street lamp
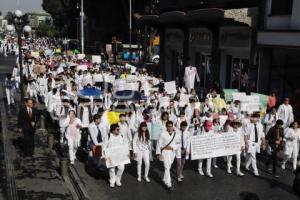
point(20, 22)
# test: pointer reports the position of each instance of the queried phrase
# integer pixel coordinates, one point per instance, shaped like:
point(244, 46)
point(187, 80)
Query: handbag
point(97, 151)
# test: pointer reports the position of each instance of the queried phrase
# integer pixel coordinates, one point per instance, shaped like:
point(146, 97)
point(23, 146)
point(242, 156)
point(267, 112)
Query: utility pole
point(82, 27)
point(130, 28)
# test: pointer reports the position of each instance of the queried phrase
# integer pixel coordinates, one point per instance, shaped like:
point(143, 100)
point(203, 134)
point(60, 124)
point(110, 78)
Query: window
point(282, 7)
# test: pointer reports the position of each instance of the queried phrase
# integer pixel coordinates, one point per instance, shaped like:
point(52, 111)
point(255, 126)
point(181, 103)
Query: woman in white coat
point(142, 150)
point(291, 149)
point(236, 128)
point(72, 135)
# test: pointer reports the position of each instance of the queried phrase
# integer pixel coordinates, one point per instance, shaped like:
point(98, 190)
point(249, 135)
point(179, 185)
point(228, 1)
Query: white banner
point(116, 156)
point(215, 145)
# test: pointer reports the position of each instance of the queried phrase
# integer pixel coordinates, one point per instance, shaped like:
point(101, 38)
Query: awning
point(175, 17)
point(151, 20)
point(205, 16)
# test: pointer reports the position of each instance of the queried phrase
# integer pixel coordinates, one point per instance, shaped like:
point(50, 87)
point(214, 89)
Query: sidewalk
point(35, 178)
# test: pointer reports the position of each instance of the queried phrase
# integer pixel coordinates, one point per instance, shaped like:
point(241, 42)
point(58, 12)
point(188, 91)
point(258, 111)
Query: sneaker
point(247, 168)
point(181, 176)
point(118, 183)
point(283, 166)
point(147, 179)
point(210, 175)
point(169, 186)
point(240, 174)
point(139, 179)
point(179, 180)
point(256, 174)
point(229, 171)
point(112, 185)
point(216, 166)
point(201, 172)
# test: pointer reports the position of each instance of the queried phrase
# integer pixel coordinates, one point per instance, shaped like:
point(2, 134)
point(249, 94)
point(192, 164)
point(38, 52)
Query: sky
point(24, 5)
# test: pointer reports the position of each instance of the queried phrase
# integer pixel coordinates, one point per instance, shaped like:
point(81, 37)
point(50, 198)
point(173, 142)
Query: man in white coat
point(254, 137)
point(96, 136)
point(285, 113)
point(166, 148)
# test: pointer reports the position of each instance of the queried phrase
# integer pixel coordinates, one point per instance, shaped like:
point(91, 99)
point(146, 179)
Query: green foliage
point(47, 30)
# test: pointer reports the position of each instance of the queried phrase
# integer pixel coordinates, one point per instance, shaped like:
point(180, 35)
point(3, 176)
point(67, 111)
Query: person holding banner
point(166, 150)
point(236, 128)
point(182, 152)
point(142, 150)
point(114, 139)
point(254, 139)
point(207, 129)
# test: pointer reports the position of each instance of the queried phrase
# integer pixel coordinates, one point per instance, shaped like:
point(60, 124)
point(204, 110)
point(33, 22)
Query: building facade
point(218, 37)
point(279, 47)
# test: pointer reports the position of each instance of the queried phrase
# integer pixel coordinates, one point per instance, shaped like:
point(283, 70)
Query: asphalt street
point(222, 187)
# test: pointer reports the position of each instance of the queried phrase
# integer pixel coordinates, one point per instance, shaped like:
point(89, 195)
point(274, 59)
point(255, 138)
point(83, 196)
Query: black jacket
point(25, 122)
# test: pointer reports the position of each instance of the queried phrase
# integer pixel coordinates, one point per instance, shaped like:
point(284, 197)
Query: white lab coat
point(126, 133)
point(167, 156)
point(73, 142)
point(254, 147)
point(142, 150)
point(285, 113)
point(291, 147)
point(113, 141)
point(190, 74)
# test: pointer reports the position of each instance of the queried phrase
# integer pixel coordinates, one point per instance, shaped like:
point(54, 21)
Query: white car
point(155, 59)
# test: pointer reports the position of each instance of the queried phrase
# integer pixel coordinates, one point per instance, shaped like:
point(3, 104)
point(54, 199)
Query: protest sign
point(170, 87)
point(109, 78)
point(98, 78)
point(96, 59)
point(184, 100)
point(116, 156)
point(80, 56)
point(81, 67)
point(215, 145)
point(131, 67)
point(164, 101)
point(35, 54)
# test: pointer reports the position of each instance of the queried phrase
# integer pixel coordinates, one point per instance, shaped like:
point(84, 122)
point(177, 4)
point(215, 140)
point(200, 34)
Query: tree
point(63, 12)
point(47, 30)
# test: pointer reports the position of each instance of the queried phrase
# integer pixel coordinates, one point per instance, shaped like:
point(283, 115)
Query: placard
point(170, 87)
point(215, 145)
point(81, 67)
point(184, 99)
point(98, 78)
point(131, 67)
point(164, 101)
point(80, 56)
point(96, 59)
point(116, 156)
point(109, 78)
point(35, 54)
